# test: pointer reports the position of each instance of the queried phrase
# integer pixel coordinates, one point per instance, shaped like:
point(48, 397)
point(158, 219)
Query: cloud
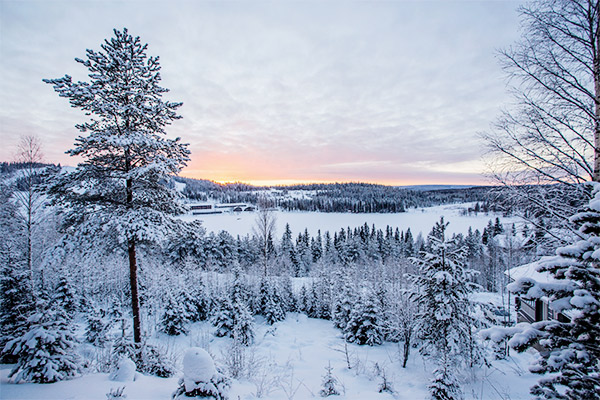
point(382, 92)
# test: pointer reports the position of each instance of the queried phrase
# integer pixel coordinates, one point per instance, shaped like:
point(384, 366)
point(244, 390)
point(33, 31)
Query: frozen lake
point(418, 220)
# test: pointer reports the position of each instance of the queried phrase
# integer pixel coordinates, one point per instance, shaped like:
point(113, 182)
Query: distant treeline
point(333, 197)
point(336, 197)
point(10, 167)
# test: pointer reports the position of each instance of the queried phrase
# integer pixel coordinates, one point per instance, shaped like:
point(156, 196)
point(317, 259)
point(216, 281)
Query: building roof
point(530, 271)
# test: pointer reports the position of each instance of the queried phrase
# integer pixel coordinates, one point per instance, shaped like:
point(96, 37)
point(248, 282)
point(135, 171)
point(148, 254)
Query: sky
point(279, 92)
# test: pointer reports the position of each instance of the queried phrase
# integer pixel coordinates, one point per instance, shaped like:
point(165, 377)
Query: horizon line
point(294, 182)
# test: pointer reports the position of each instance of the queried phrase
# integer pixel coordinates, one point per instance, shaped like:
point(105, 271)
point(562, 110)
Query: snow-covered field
point(288, 361)
point(418, 220)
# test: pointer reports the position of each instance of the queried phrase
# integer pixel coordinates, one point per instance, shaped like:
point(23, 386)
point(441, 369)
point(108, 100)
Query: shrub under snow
point(201, 378)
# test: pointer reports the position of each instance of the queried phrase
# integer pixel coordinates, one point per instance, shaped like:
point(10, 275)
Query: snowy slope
point(287, 361)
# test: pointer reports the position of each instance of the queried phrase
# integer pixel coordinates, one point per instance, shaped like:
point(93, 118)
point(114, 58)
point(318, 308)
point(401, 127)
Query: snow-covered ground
point(418, 220)
point(288, 361)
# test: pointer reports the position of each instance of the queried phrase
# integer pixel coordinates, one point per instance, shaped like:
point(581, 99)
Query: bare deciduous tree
point(264, 230)
point(29, 201)
point(552, 135)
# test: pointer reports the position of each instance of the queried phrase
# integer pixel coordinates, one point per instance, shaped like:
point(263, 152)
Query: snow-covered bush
point(385, 385)
point(240, 361)
point(46, 351)
point(201, 378)
point(125, 371)
point(116, 394)
point(148, 359)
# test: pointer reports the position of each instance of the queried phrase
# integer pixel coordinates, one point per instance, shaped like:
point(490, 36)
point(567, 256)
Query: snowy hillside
point(288, 361)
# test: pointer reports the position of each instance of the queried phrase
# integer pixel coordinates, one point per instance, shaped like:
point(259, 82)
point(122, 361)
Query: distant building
point(207, 208)
point(197, 209)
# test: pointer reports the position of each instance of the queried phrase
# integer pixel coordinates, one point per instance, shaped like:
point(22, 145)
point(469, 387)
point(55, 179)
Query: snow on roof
point(529, 271)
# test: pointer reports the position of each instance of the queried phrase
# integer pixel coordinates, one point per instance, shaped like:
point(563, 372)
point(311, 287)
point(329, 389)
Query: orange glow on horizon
point(261, 170)
point(277, 181)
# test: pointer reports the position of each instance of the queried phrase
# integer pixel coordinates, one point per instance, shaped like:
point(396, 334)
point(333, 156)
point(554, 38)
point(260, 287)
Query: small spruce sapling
point(329, 385)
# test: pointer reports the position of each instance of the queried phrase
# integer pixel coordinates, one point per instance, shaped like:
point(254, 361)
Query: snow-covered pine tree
point(343, 305)
point(97, 326)
point(148, 359)
point(364, 326)
point(263, 296)
point(239, 289)
point(443, 322)
point(233, 319)
point(313, 302)
point(65, 296)
point(175, 316)
point(271, 302)
point(304, 301)
point(288, 300)
point(196, 303)
point(119, 185)
point(322, 296)
point(46, 351)
point(16, 285)
point(16, 306)
point(444, 385)
point(380, 292)
point(223, 318)
point(243, 324)
point(571, 346)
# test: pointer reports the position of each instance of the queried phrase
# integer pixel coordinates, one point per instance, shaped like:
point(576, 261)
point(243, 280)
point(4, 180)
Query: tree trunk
point(597, 101)
point(135, 303)
point(406, 350)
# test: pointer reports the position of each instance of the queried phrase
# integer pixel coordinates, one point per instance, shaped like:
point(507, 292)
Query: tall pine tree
point(443, 322)
point(119, 185)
